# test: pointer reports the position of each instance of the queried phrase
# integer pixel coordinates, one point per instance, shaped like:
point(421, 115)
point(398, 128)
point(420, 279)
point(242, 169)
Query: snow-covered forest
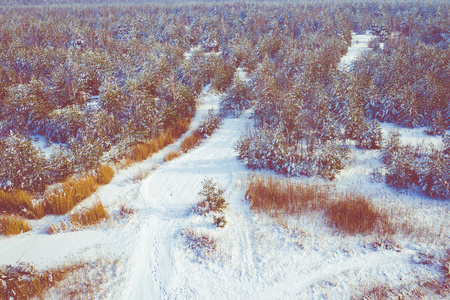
point(245, 141)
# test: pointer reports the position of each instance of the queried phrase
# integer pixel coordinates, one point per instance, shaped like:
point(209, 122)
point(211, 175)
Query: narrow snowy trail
point(167, 197)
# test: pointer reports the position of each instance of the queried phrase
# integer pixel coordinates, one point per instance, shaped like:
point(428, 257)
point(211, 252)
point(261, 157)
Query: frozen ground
point(256, 256)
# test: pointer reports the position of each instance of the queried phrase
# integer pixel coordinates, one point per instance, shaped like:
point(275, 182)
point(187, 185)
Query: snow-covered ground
point(255, 256)
point(359, 45)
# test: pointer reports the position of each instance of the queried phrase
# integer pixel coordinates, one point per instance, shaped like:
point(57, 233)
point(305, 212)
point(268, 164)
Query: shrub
point(125, 211)
point(22, 166)
point(89, 216)
point(212, 202)
point(212, 199)
point(11, 225)
point(210, 123)
point(72, 192)
point(370, 137)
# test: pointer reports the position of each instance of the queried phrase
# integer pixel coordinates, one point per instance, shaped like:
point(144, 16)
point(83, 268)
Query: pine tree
point(23, 166)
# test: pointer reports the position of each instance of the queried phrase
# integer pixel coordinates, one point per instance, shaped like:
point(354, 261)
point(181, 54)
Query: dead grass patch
point(140, 176)
point(86, 217)
point(16, 202)
point(144, 150)
point(76, 281)
point(24, 281)
point(73, 191)
point(172, 155)
point(89, 216)
point(349, 213)
point(273, 196)
point(12, 225)
point(355, 214)
point(191, 141)
point(104, 174)
point(202, 245)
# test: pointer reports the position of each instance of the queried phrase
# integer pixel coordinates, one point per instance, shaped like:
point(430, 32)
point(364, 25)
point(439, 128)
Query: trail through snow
point(168, 195)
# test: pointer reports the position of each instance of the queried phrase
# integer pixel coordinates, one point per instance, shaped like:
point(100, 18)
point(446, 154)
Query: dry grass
point(25, 282)
point(202, 245)
point(191, 141)
point(11, 225)
point(144, 150)
point(349, 213)
point(140, 176)
point(125, 212)
point(72, 192)
point(172, 155)
point(272, 196)
point(80, 280)
point(16, 202)
point(355, 214)
point(104, 174)
point(82, 219)
point(89, 216)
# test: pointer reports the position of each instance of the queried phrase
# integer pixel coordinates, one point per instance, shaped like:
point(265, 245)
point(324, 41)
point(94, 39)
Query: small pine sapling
point(212, 201)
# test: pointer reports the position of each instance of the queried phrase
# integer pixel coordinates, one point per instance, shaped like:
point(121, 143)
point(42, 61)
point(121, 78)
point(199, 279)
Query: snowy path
point(167, 196)
point(359, 45)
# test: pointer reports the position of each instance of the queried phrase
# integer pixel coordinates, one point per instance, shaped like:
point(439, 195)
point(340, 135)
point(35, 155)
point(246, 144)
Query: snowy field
point(255, 256)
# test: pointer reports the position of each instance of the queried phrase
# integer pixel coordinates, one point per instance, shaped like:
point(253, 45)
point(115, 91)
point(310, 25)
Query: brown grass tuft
point(89, 216)
point(172, 155)
point(191, 141)
point(25, 282)
point(201, 244)
point(125, 212)
point(80, 280)
point(104, 174)
point(140, 176)
point(72, 192)
point(349, 213)
point(11, 225)
point(274, 195)
point(354, 214)
point(16, 202)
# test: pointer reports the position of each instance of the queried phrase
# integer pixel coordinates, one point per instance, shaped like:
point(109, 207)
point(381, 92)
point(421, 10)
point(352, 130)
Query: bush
point(210, 123)
point(22, 166)
point(212, 201)
point(11, 225)
point(371, 137)
point(201, 244)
